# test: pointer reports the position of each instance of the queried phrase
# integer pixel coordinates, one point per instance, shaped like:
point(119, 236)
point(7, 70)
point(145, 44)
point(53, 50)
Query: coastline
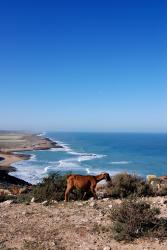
point(10, 158)
point(11, 143)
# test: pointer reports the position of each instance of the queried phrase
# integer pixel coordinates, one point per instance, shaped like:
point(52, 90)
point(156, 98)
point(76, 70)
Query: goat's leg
point(84, 195)
point(94, 192)
point(68, 190)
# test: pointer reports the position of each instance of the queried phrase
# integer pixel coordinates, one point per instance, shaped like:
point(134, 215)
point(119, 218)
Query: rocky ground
point(73, 225)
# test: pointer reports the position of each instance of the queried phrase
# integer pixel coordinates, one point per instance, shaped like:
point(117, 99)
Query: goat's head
point(106, 176)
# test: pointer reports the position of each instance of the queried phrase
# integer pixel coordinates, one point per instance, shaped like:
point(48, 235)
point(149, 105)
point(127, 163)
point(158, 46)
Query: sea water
point(92, 153)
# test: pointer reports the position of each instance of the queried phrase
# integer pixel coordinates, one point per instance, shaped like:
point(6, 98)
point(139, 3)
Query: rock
point(33, 199)
point(53, 243)
point(54, 202)
point(160, 202)
point(8, 202)
point(110, 206)
point(107, 248)
point(105, 199)
point(24, 213)
point(91, 199)
point(92, 204)
point(44, 203)
point(102, 195)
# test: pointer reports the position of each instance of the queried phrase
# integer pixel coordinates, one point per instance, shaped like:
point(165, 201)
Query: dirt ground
point(72, 225)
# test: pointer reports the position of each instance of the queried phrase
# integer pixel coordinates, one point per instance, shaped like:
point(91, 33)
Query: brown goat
point(84, 183)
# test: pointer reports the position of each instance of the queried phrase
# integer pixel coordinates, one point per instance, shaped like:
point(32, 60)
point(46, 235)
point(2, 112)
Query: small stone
point(105, 199)
point(91, 199)
point(33, 199)
point(110, 206)
point(44, 203)
point(53, 243)
point(92, 204)
point(107, 248)
point(54, 201)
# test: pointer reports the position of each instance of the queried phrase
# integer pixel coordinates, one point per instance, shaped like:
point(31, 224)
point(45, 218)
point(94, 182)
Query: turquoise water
point(91, 153)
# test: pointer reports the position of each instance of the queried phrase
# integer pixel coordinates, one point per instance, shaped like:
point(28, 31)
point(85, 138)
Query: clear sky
point(83, 65)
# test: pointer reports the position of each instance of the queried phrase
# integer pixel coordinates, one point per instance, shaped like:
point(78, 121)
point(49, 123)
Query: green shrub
point(126, 185)
point(134, 219)
point(7, 197)
point(24, 198)
point(51, 188)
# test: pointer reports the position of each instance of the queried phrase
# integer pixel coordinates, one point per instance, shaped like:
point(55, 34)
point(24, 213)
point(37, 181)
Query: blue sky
point(83, 65)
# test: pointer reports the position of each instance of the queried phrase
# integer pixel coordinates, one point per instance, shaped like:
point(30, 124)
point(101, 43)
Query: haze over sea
point(91, 153)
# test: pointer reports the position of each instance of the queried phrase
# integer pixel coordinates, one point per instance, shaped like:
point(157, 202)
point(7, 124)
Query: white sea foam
point(28, 172)
point(31, 171)
point(97, 171)
point(86, 156)
point(57, 149)
point(42, 134)
point(88, 170)
point(82, 156)
point(63, 166)
point(120, 162)
point(33, 157)
point(46, 169)
point(65, 147)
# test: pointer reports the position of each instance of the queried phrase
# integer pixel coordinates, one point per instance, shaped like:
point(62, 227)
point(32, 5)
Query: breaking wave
point(34, 169)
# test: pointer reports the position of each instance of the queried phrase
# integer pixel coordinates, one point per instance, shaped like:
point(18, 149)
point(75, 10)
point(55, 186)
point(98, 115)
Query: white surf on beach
point(92, 153)
point(31, 170)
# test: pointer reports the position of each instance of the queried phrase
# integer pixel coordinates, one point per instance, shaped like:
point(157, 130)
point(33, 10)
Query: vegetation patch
point(126, 185)
point(51, 188)
point(134, 219)
point(7, 197)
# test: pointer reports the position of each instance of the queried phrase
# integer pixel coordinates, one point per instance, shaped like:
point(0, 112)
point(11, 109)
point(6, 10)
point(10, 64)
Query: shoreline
point(11, 143)
point(10, 158)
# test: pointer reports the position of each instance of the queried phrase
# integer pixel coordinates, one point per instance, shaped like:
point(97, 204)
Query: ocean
point(92, 153)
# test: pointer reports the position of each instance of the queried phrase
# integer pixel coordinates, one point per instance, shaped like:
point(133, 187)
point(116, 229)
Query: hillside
point(73, 225)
